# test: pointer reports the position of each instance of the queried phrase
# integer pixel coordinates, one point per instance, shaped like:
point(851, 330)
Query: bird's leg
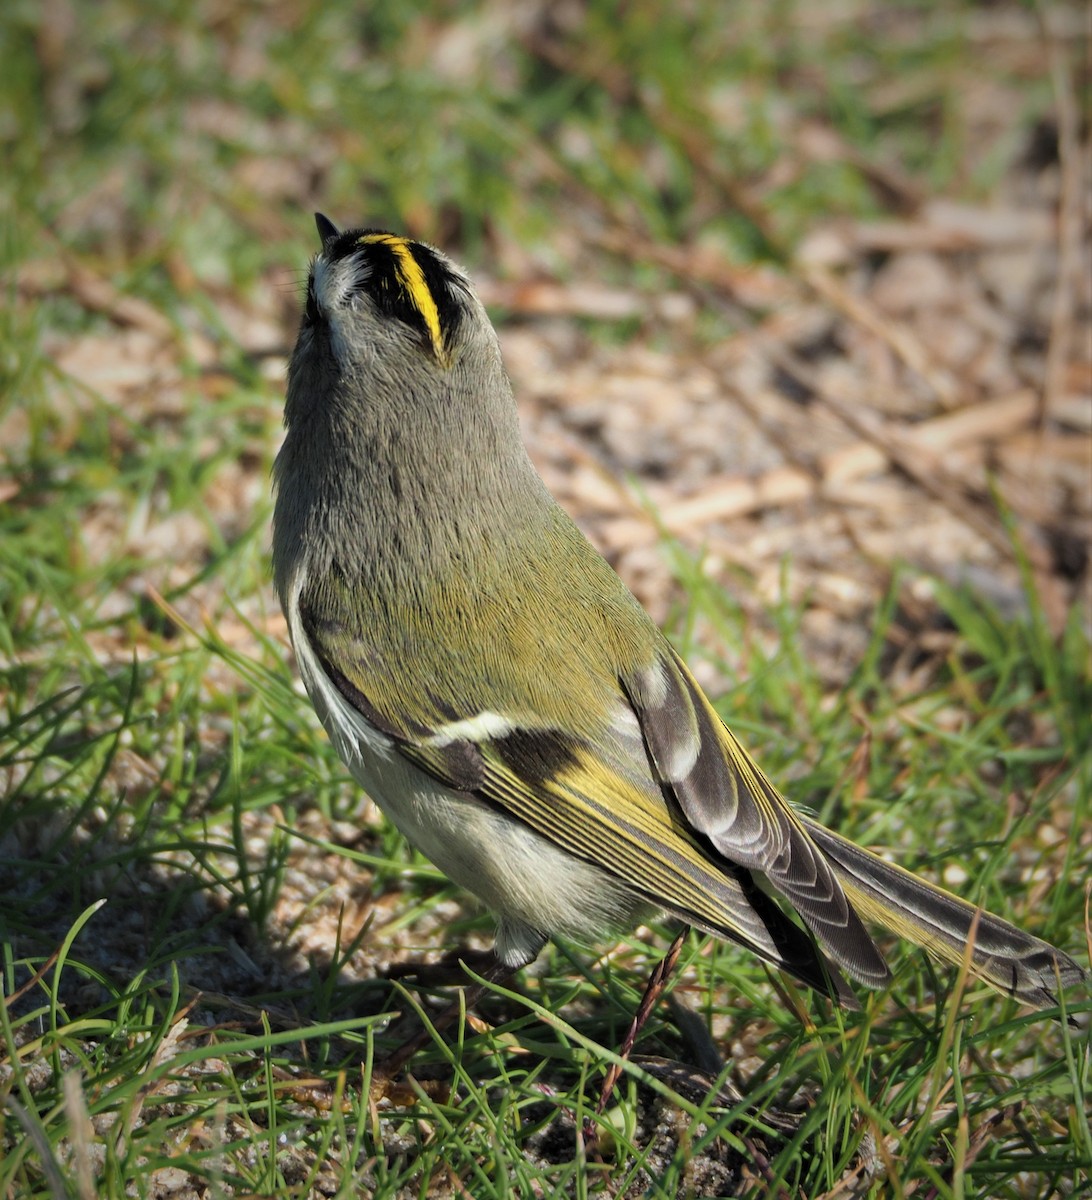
point(497, 972)
point(657, 981)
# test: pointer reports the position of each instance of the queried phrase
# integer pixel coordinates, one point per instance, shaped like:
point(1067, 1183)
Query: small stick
point(656, 983)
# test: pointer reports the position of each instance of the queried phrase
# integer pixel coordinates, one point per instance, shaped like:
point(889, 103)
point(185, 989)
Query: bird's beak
point(326, 228)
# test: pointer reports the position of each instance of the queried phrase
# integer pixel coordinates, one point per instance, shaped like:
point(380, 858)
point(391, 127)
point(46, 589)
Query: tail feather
point(1005, 957)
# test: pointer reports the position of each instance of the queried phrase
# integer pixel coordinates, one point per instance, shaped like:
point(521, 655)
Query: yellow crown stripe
point(412, 278)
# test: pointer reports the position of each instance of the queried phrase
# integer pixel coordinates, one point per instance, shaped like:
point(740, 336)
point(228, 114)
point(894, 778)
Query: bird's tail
point(1005, 957)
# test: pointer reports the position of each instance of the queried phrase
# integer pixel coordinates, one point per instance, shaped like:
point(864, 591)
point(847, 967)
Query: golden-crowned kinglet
point(493, 685)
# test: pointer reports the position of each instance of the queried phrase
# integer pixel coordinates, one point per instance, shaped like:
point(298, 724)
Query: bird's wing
point(607, 801)
point(726, 797)
point(661, 795)
point(567, 791)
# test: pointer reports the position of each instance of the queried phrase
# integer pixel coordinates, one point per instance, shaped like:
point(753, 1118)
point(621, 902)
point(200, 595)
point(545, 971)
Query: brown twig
point(790, 484)
point(654, 990)
point(855, 308)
